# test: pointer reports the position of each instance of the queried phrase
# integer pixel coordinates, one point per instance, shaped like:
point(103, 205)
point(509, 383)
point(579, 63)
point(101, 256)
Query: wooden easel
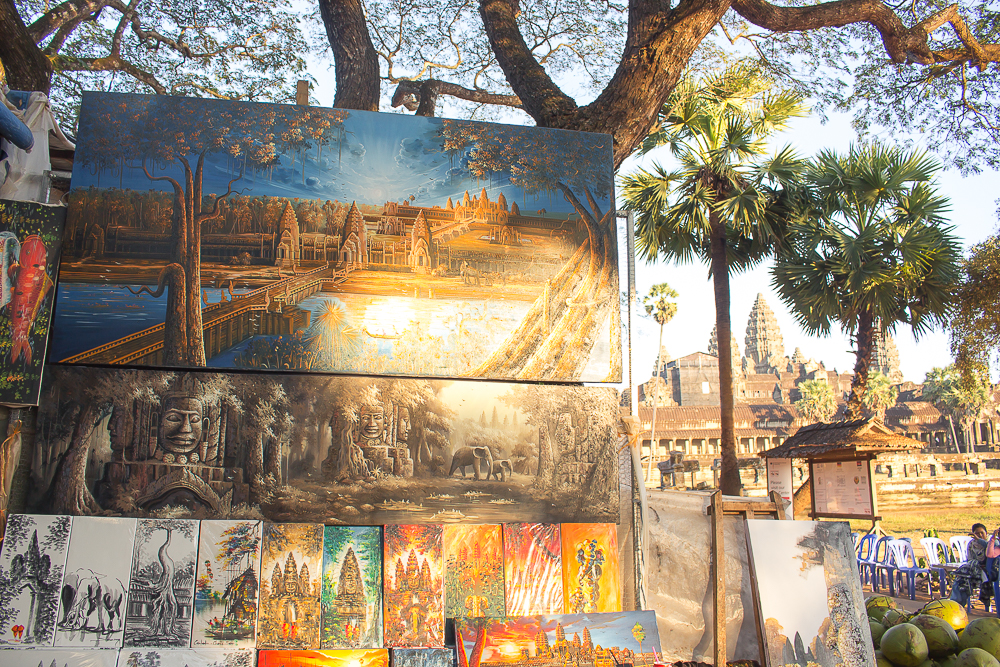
point(748, 509)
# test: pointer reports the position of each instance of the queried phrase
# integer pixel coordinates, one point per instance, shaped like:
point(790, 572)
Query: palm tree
point(659, 306)
point(879, 394)
point(961, 396)
point(726, 205)
point(817, 402)
point(872, 251)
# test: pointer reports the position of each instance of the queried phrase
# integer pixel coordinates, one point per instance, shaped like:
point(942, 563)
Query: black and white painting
point(203, 657)
point(56, 657)
point(423, 657)
point(31, 573)
point(92, 598)
point(161, 595)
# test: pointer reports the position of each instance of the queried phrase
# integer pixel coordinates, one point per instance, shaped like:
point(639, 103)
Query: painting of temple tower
point(289, 613)
point(352, 594)
point(414, 594)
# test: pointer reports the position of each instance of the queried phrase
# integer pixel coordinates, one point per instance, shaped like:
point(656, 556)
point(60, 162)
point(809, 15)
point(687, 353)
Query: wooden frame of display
point(872, 496)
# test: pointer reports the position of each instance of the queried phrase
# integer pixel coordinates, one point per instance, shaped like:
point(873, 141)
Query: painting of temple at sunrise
point(221, 234)
point(578, 640)
point(336, 450)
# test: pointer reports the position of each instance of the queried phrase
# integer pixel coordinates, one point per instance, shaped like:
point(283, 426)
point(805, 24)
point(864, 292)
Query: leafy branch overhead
point(571, 64)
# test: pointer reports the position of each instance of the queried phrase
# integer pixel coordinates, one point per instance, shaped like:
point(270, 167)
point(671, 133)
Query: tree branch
point(409, 94)
point(62, 14)
point(355, 60)
point(25, 67)
point(108, 64)
point(127, 16)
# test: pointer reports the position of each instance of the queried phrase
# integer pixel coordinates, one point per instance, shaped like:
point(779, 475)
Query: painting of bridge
point(219, 234)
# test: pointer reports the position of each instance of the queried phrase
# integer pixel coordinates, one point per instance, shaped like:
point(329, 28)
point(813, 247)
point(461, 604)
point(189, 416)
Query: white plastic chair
point(935, 548)
point(906, 566)
point(960, 547)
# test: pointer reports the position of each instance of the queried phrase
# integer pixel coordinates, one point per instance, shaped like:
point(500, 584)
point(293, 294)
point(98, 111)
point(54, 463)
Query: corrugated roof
point(858, 435)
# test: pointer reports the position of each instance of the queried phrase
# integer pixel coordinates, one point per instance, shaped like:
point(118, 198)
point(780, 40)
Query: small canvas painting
point(93, 597)
point(289, 611)
point(30, 239)
point(423, 657)
point(558, 640)
point(31, 575)
point(473, 571)
point(204, 657)
point(352, 587)
point(824, 623)
point(533, 568)
point(161, 594)
point(335, 658)
point(57, 657)
point(414, 594)
point(591, 576)
point(227, 584)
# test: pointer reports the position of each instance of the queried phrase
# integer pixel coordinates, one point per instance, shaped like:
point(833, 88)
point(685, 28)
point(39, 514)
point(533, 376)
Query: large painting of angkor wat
point(220, 234)
point(324, 449)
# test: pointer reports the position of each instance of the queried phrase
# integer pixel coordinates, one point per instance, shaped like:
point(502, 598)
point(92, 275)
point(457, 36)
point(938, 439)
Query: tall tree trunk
point(71, 495)
point(354, 56)
point(25, 65)
point(862, 367)
point(729, 478)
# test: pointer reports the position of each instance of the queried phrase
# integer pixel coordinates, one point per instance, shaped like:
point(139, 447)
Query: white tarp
point(21, 171)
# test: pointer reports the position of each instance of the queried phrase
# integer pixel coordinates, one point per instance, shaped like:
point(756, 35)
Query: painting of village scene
point(31, 577)
point(221, 234)
point(334, 450)
point(228, 581)
point(584, 640)
point(336, 658)
point(414, 591)
point(825, 622)
point(473, 570)
point(30, 240)
point(289, 612)
point(352, 587)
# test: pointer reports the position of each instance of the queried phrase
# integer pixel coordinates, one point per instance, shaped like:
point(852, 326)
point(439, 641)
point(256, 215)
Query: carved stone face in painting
point(182, 424)
point(372, 421)
point(403, 426)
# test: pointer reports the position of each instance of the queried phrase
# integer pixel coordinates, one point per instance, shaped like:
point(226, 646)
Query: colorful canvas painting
point(591, 573)
point(358, 450)
point(161, 592)
point(557, 640)
point(473, 571)
point(30, 240)
point(93, 597)
point(221, 234)
point(352, 587)
point(824, 623)
point(338, 658)
point(423, 657)
point(227, 584)
point(214, 657)
point(413, 590)
point(533, 575)
point(55, 657)
point(291, 563)
point(31, 576)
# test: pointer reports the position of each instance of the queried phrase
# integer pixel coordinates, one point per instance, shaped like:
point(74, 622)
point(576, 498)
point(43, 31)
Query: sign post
point(779, 479)
point(843, 489)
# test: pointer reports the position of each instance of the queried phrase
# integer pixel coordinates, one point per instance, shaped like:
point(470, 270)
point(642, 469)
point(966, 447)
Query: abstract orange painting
point(473, 571)
point(413, 593)
point(532, 568)
point(591, 578)
point(377, 657)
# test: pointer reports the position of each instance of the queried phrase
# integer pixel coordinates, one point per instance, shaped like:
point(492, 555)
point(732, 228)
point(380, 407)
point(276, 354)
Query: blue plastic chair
point(866, 555)
point(905, 561)
point(883, 565)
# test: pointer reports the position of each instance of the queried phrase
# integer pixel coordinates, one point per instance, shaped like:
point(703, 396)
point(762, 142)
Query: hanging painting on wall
point(31, 576)
point(414, 595)
point(824, 623)
point(473, 570)
point(533, 568)
point(205, 657)
point(227, 584)
point(30, 239)
point(292, 560)
point(369, 451)
point(93, 597)
point(56, 657)
point(555, 640)
point(591, 574)
point(352, 587)
point(339, 658)
point(222, 234)
point(423, 657)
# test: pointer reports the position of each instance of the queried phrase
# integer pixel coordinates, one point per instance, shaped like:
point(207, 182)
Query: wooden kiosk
point(841, 458)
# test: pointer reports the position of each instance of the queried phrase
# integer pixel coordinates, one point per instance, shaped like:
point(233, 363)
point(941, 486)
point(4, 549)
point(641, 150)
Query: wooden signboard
point(843, 489)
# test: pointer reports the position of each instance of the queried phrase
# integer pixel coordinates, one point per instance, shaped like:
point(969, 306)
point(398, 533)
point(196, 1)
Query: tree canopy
point(975, 329)
point(571, 64)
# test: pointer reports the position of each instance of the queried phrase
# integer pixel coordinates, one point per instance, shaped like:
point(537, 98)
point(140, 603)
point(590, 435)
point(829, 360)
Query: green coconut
point(941, 638)
point(904, 645)
point(881, 660)
point(877, 605)
point(948, 661)
point(877, 631)
point(949, 610)
point(893, 617)
point(983, 633)
point(976, 657)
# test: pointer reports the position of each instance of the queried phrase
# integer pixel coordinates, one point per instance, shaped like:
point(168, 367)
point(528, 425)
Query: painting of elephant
point(501, 469)
point(85, 592)
point(480, 458)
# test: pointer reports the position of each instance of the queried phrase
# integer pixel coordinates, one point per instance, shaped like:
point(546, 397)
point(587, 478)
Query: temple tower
point(764, 345)
point(713, 348)
point(885, 357)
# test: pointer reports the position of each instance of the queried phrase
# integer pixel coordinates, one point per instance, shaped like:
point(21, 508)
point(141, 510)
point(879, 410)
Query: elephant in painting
point(502, 469)
point(480, 458)
point(85, 592)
